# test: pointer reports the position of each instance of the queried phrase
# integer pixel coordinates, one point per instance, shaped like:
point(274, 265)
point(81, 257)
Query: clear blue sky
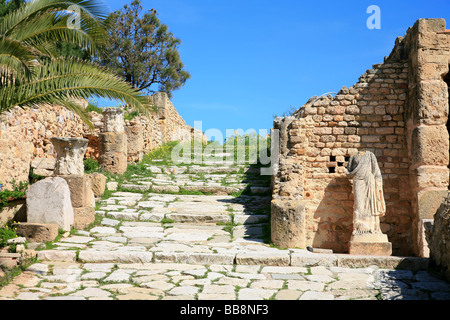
point(252, 59)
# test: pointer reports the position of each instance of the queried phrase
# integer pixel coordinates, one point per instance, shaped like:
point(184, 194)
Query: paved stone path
point(154, 241)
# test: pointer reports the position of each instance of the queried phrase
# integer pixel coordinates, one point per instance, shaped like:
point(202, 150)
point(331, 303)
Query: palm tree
point(31, 71)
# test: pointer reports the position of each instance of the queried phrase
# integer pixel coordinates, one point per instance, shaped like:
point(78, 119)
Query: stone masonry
point(398, 110)
point(25, 135)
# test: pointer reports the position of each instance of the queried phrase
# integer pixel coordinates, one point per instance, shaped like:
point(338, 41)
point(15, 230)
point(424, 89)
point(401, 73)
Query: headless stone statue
point(368, 193)
point(369, 206)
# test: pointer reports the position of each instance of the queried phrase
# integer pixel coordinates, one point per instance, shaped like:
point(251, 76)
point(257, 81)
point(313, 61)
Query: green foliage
point(142, 51)
point(70, 50)
point(18, 192)
point(32, 177)
point(91, 165)
point(162, 153)
point(6, 233)
point(8, 6)
point(92, 107)
point(32, 70)
point(131, 115)
point(247, 148)
point(17, 270)
point(288, 113)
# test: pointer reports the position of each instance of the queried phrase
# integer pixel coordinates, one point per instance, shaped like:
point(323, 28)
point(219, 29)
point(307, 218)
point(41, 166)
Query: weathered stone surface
point(113, 152)
point(70, 153)
point(49, 201)
point(15, 211)
point(370, 248)
point(288, 223)
point(166, 189)
point(429, 202)
point(264, 258)
point(431, 145)
point(56, 255)
point(83, 217)
point(115, 256)
point(439, 239)
point(409, 263)
point(113, 120)
point(43, 166)
point(314, 295)
point(255, 294)
point(112, 185)
point(98, 183)
point(304, 259)
point(432, 104)
point(37, 232)
point(195, 258)
point(80, 190)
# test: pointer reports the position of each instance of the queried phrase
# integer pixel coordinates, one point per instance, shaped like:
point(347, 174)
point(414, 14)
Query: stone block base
point(370, 245)
point(98, 183)
point(37, 232)
point(288, 223)
point(83, 217)
point(81, 193)
point(114, 162)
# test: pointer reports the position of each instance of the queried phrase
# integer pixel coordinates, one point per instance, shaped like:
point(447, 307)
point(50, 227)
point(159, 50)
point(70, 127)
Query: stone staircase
point(194, 214)
point(189, 213)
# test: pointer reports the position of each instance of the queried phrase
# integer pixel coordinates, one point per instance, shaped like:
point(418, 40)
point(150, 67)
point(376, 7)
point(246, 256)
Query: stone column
point(288, 211)
point(135, 141)
point(70, 166)
point(428, 138)
point(70, 153)
point(113, 144)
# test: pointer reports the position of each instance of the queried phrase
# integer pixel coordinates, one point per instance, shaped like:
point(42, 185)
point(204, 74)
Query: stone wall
point(25, 134)
point(438, 236)
point(427, 47)
point(149, 133)
point(394, 114)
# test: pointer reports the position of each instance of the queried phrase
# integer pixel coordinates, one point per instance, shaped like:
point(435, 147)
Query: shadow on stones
point(335, 216)
point(253, 222)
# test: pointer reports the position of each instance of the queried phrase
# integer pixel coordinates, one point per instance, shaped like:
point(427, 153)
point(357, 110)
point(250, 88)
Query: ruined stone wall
point(150, 132)
point(327, 131)
point(399, 111)
point(427, 47)
point(25, 134)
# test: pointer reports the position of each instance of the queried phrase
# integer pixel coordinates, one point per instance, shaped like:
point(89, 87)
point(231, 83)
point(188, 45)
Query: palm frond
point(18, 18)
point(16, 58)
point(57, 79)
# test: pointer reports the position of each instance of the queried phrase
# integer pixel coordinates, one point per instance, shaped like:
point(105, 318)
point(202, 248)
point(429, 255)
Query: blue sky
point(252, 59)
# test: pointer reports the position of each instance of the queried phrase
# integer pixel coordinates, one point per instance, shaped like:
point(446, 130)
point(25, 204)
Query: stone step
point(210, 169)
point(198, 218)
point(260, 190)
point(266, 257)
point(214, 189)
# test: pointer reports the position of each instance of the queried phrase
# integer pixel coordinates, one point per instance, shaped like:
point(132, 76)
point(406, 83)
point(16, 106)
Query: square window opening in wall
point(347, 158)
point(331, 170)
point(332, 158)
point(341, 164)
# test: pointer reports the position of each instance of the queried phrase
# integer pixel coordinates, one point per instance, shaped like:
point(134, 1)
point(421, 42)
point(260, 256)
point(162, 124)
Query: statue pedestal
point(376, 244)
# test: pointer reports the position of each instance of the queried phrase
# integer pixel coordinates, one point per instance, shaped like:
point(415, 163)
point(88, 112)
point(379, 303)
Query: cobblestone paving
point(153, 241)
